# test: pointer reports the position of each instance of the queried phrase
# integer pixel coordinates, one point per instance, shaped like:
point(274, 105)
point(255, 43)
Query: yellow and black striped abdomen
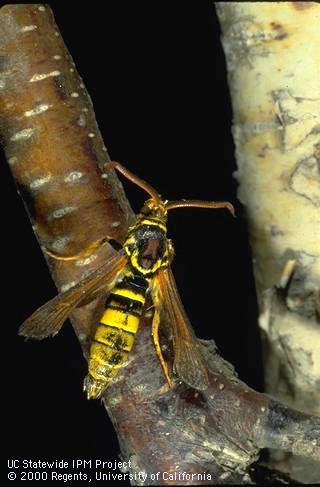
point(115, 334)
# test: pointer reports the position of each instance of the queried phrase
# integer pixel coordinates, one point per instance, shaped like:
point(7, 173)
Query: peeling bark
point(273, 56)
point(215, 435)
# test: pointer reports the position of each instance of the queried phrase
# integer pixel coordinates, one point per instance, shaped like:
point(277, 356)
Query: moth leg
point(82, 255)
point(155, 336)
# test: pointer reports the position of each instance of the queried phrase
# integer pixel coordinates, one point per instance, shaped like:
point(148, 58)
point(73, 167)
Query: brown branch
point(56, 154)
point(54, 147)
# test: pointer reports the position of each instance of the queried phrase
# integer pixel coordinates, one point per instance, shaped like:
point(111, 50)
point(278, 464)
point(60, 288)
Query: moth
point(141, 267)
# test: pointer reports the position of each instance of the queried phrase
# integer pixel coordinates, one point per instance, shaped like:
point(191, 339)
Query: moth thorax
point(147, 247)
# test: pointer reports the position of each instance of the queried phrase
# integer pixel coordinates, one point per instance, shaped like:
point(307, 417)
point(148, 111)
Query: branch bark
point(56, 154)
point(55, 150)
point(273, 57)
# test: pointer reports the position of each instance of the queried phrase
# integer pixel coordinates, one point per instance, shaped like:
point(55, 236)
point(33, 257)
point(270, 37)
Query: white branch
point(273, 59)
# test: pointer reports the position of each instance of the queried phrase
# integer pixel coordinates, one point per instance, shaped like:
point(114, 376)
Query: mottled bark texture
point(56, 154)
point(273, 59)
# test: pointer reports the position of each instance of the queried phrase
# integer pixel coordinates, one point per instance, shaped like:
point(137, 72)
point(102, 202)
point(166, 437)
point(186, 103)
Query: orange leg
point(155, 336)
point(82, 255)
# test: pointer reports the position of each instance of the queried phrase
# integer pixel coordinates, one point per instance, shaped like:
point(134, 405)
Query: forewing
point(189, 362)
point(48, 320)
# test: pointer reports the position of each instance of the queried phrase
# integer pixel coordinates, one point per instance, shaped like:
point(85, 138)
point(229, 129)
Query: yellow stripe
point(110, 336)
point(128, 293)
point(150, 270)
point(100, 354)
point(104, 369)
point(152, 222)
point(96, 358)
point(101, 359)
point(119, 319)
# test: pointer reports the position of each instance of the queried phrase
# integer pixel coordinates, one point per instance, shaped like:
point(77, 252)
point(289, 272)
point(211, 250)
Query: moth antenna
point(136, 180)
point(200, 204)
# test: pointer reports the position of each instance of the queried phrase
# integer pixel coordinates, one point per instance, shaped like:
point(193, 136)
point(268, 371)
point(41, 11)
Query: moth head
point(155, 209)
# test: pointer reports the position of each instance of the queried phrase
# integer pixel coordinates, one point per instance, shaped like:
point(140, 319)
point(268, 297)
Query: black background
point(157, 77)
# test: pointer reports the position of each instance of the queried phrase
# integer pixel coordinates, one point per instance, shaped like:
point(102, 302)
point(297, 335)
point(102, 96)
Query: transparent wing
point(48, 320)
point(189, 362)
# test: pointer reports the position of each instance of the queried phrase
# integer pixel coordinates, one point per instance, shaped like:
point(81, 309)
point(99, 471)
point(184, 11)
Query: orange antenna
point(136, 180)
point(200, 204)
